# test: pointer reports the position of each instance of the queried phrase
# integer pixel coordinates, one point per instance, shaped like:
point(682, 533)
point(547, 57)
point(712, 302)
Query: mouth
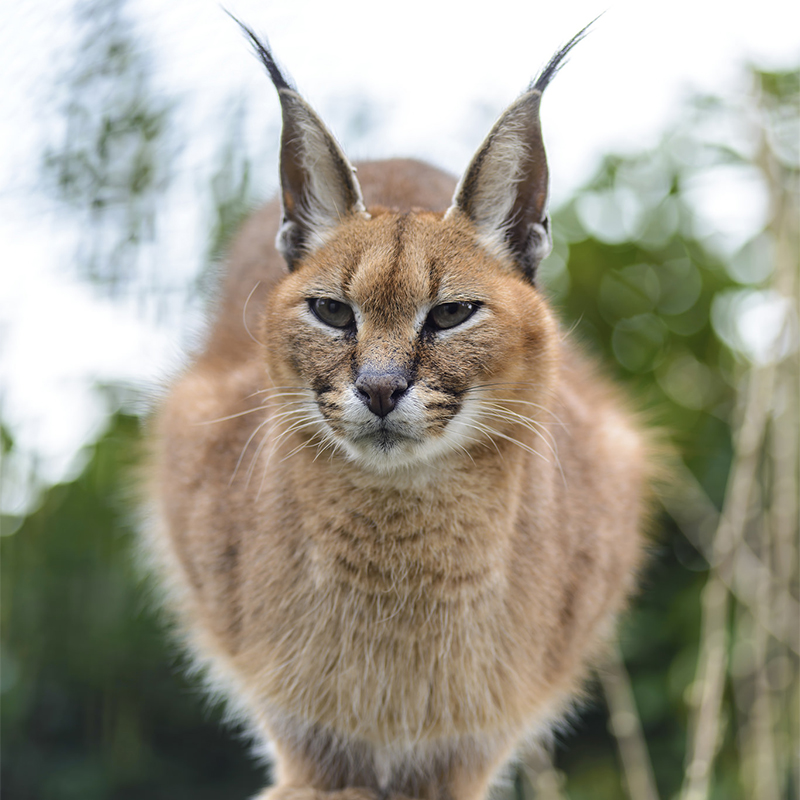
point(382, 446)
point(401, 439)
point(383, 439)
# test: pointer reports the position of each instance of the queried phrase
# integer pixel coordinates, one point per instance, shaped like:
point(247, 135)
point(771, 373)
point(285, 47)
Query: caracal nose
point(380, 393)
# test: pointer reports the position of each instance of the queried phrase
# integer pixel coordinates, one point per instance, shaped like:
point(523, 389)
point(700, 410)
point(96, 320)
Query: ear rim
point(316, 195)
point(504, 191)
point(310, 214)
point(516, 226)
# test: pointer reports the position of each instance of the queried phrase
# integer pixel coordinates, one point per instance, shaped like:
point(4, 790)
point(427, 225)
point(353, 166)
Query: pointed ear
point(318, 184)
point(504, 190)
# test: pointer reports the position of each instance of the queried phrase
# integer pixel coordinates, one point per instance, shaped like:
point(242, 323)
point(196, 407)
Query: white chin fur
point(407, 453)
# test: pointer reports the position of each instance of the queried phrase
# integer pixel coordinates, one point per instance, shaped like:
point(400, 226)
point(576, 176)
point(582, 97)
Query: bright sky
point(436, 73)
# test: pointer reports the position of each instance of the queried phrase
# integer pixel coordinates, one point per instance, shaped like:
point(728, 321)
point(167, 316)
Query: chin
point(385, 453)
point(388, 451)
point(402, 455)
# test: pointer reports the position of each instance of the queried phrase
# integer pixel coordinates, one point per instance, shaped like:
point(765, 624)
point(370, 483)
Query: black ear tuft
point(558, 60)
point(318, 185)
point(265, 55)
point(504, 190)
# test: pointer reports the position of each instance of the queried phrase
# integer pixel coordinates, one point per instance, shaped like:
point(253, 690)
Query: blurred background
point(136, 136)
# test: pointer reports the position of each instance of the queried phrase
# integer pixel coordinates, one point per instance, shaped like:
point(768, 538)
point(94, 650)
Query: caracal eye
point(332, 312)
point(448, 315)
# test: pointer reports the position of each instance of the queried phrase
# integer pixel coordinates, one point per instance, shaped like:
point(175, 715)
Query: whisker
point(487, 387)
point(539, 428)
point(491, 432)
point(246, 445)
point(244, 313)
point(278, 395)
point(514, 385)
point(259, 407)
point(303, 422)
point(289, 412)
point(512, 416)
point(271, 452)
point(296, 426)
point(464, 449)
point(295, 389)
point(541, 431)
point(495, 384)
point(299, 447)
point(257, 453)
point(327, 443)
point(271, 420)
point(533, 405)
point(300, 424)
point(231, 416)
point(474, 424)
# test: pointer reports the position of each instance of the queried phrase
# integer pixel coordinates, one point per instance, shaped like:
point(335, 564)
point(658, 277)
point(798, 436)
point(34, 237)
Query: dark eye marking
point(332, 312)
point(448, 315)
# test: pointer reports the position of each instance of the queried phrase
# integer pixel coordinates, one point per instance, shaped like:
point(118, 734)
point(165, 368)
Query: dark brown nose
point(380, 393)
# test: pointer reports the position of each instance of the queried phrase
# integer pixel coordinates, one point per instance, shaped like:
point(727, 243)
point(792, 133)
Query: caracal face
point(406, 342)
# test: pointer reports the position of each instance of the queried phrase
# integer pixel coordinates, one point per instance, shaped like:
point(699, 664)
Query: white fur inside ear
point(504, 190)
point(323, 190)
point(541, 242)
point(494, 193)
point(494, 196)
point(287, 239)
point(325, 203)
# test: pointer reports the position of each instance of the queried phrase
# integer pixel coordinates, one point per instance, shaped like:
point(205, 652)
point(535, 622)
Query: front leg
point(287, 792)
point(431, 791)
point(319, 771)
point(320, 766)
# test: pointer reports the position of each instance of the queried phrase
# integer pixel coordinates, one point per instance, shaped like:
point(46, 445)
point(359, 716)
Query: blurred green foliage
point(641, 281)
point(96, 704)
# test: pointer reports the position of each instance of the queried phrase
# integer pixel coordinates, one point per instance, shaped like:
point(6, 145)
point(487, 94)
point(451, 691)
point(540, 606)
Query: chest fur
point(392, 622)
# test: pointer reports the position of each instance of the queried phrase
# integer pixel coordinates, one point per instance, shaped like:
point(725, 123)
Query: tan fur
point(395, 623)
